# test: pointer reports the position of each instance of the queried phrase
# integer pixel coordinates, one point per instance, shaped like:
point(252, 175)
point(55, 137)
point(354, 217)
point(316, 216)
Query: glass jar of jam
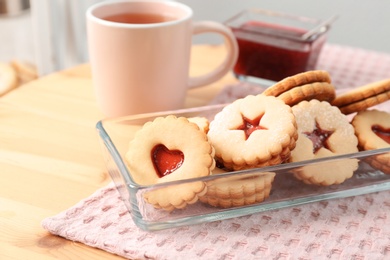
point(275, 45)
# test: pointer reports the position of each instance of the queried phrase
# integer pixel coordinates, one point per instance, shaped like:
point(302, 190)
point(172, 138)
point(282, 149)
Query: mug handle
point(230, 59)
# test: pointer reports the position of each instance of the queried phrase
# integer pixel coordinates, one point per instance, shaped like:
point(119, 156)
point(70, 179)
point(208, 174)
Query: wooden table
point(50, 156)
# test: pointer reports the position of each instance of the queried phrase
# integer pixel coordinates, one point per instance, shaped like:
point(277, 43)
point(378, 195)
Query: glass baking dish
point(116, 133)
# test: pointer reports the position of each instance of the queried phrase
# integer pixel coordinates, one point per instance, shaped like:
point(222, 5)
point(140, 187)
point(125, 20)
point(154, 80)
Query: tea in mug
point(139, 18)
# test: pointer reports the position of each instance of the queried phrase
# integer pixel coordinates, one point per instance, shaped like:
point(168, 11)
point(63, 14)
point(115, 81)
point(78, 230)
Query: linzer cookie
point(322, 91)
point(170, 149)
point(361, 98)
point(323, 131)
point(252, 132)
point(303, 86)
point(235, 191)
point(8, 78)
point(202, 122)
point(25, 71)
point(372, 128)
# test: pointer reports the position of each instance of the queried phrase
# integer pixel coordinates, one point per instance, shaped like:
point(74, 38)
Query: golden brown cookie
point(372, 128)
point(8, 78)
point(322, 91)
point(361, 98)
point(202, 122)
point(238, 190)
point(303, 86)
point(170, 149)
point(297, 80)
point(323, 131)
point(25, 71)
point(254, 131)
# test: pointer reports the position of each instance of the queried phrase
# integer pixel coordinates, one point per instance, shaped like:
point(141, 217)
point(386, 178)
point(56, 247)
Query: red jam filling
point(273, 56)
point(251, 125)
point(319, 137)
point(382, 132)
point(166, 161)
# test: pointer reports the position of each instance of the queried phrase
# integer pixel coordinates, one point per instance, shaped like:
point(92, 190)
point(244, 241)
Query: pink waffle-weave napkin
point(351, 228)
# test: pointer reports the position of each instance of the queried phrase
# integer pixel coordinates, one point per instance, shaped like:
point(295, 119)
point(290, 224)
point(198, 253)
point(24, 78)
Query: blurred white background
point(52, 34)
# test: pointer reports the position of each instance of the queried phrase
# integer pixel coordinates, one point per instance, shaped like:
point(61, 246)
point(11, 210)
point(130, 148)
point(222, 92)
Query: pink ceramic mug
point(140, 54)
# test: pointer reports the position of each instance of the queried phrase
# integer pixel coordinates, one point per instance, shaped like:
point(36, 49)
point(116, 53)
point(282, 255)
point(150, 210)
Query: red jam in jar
point(273, 46)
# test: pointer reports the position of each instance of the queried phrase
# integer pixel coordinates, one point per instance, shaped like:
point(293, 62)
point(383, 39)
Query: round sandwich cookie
point(361, 98)
point(8, 78)
point(170, 149)
point(372, 128)
point(238, 190)
point(202, 122)
point(323, 131)
point(252, 132)
point(308, 85)
point(25, 71)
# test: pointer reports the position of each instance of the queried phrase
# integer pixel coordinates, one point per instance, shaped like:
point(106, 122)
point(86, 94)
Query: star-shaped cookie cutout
point(251, 125)
point(319, 137)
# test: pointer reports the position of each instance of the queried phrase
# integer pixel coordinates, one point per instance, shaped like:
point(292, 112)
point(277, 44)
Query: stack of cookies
point(299, 118)
point(372, 126)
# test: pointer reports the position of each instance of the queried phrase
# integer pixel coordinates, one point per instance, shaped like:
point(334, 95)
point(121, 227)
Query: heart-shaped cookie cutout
point(383, 133)
point(166, 161)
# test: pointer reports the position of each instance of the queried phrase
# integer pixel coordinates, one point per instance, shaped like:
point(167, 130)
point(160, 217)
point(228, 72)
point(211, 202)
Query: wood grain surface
point(50, 157)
